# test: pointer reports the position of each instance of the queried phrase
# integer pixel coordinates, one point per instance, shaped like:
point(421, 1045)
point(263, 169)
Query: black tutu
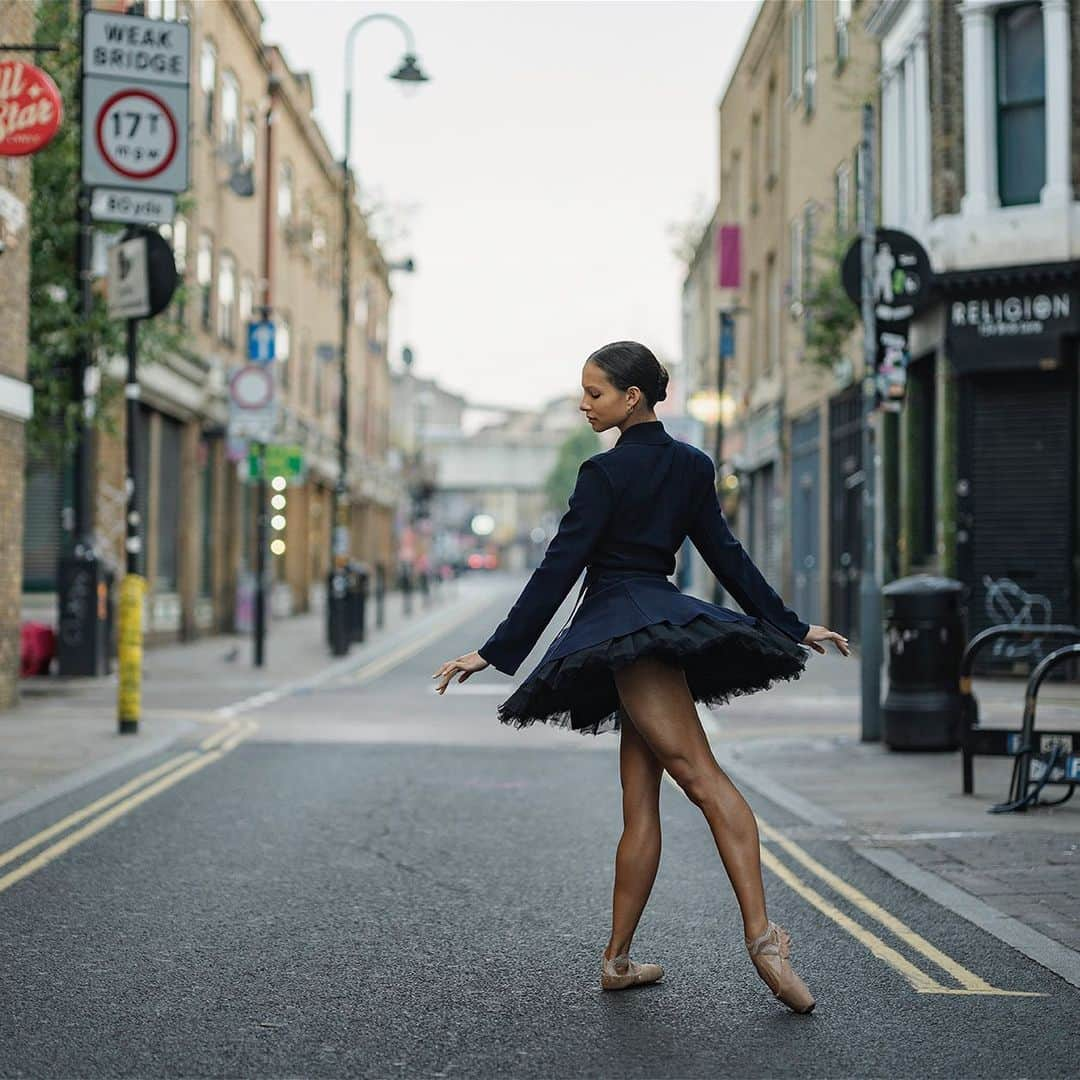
point(722, 652)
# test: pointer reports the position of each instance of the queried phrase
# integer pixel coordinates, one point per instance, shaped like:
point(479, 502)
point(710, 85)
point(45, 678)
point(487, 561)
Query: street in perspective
point(339, 345)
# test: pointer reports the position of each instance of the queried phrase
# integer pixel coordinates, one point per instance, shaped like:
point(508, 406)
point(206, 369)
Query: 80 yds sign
point(136, 134)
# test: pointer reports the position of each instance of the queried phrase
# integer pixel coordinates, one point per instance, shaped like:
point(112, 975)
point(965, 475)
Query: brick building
point(789, 127)
point(982, 164)
point(16, 27)
point(260, 228)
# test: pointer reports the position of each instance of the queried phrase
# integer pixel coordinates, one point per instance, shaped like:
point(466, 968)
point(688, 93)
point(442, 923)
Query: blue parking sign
point(261, 342)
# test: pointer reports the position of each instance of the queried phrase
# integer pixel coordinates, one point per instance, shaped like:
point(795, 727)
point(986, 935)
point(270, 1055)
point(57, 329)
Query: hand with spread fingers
point(823, 633)
point(467, 665)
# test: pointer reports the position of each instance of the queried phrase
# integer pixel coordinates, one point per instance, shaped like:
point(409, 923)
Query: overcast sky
point(536, 173)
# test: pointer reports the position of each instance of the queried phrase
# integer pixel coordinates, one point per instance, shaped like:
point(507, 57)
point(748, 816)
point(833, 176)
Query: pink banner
point(728, 257)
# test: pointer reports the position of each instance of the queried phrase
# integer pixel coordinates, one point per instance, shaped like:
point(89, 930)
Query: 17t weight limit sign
point(136, 134)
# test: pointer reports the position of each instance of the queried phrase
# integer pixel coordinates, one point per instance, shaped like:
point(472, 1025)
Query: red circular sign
point(30, 108)
point(136, 134)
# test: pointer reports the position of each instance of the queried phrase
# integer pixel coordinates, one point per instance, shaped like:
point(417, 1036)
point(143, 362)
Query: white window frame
point(226, 299)
point(230, 109)
point(286, 180)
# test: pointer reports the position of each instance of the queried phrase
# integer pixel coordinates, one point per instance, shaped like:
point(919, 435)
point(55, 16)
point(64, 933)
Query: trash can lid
point(921, 596)
point(916, 584)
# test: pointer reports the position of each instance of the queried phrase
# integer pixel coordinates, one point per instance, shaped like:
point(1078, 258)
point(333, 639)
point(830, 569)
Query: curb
point(1052, 955)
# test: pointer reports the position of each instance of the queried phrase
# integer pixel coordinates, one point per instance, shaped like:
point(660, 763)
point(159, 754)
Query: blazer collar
point(649, 432)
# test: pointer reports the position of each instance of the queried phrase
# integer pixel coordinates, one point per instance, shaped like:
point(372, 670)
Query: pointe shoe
point(621, 972)
point(769, 954)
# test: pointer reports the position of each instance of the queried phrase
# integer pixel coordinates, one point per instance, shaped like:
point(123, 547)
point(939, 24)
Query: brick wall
point(16, 25)
point(946, 107)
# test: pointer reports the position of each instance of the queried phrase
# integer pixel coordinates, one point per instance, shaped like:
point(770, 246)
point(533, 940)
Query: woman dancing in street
point(638, 653)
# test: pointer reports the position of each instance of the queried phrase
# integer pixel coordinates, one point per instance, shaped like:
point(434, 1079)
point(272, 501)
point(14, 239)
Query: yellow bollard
point(129, 648)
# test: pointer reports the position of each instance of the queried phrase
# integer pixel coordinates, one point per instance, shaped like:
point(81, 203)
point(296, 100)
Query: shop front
point(1011, 340)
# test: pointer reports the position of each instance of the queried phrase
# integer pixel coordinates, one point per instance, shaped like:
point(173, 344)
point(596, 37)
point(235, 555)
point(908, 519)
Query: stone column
point(980, 127)
point(1058, 188)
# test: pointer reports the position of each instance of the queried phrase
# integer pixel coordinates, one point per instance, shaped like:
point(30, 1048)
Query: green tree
point(559, 483)
point(830, 316)
point(57, 331)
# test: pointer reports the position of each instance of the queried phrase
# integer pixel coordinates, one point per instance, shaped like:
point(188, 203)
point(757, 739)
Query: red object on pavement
point(30, 108)
point(38, 648)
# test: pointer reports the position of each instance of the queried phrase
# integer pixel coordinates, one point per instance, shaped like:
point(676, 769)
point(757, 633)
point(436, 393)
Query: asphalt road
point(375, 881)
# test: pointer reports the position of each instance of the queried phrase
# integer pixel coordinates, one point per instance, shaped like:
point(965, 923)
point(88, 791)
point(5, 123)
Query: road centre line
point(60, 847)
point(88, 811)
point(182, 765)
point(918, 979)
point(967, 979)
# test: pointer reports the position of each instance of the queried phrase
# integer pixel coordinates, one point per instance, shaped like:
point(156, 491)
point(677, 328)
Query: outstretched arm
point(735, 570)
point(582, 525)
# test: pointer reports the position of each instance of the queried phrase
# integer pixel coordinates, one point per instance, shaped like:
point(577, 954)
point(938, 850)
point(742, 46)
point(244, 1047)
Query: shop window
point(1021, 104)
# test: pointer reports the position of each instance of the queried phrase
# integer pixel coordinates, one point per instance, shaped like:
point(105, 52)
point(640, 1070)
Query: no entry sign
point(135, 100)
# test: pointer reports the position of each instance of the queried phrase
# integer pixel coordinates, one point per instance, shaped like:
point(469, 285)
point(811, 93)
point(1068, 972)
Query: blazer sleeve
point(591, 504)
point(735, 570)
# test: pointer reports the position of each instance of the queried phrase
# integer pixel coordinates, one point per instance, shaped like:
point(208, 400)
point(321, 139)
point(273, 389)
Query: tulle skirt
point(723, 653)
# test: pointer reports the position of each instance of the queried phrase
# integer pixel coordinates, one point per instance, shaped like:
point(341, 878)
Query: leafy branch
point(58, 332)
point(829, 315)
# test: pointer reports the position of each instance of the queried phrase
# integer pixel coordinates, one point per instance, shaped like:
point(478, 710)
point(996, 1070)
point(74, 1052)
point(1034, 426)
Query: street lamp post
point(336, 607)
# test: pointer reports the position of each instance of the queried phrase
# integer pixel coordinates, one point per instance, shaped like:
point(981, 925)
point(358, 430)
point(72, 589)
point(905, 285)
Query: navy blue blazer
point(630, 510)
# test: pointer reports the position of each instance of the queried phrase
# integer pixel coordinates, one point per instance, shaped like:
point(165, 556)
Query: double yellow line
point(104, 811)
point(920, 981)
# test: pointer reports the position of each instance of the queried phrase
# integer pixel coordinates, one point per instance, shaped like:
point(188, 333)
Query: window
point(755, 161)
point(735, 208)
point(230, 110)
point(772, 314)
point(772, 168)
point(282, 348)
point(755, 324)
point(859, 193)
point(842, 184)
point(285, 192)
point(204, 276)
point(248, 138)
point(795, 56)
point(795, 244)
point(1021, 104)
point(810, 56)
point(843, 40)
point(226, 290)
point(177, 235)
point(247, 300)
point(161, 9)
point(318, 233)
point(808, 246)
point(167, 548)
point(208, 83)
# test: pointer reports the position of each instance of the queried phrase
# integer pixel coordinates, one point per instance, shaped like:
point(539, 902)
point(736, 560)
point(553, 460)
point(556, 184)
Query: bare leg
point(658, 700)
point(638, 856)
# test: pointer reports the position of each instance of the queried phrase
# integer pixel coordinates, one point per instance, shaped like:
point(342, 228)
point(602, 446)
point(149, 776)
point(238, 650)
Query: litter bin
point(925, 630)
point(359, 580)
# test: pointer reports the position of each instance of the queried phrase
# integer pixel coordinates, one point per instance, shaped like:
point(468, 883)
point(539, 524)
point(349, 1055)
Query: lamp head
point(409, 72)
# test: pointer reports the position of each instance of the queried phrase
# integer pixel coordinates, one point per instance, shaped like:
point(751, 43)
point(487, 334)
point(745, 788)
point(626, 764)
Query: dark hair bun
point(661, 384)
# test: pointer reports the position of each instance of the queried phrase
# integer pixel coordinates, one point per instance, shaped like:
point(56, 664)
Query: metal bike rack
point(1019, 744)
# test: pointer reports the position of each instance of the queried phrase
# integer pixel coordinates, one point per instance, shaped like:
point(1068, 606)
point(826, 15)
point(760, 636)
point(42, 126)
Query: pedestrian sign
point(281, 460)
point(261, 342)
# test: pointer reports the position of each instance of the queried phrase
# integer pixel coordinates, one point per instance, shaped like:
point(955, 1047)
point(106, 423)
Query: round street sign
point(252, 387)
point(136, 133)
point(30, 108)
point(900, 274)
